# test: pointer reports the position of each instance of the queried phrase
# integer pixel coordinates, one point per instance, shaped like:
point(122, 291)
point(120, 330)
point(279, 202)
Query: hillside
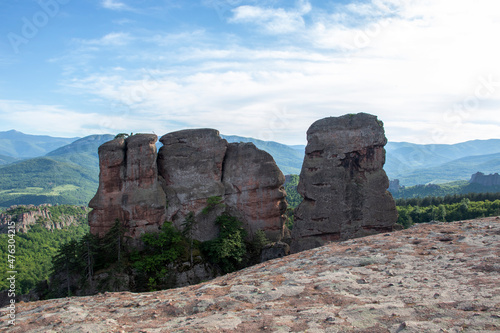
point(82, 152)
point(416, 164)
point(40, 230)
point(67, 175)
point(19, 145)
point(429, 278)
point(439, 190)
point(45, 180)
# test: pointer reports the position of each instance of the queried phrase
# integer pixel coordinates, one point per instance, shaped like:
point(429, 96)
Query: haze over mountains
point(43, 169)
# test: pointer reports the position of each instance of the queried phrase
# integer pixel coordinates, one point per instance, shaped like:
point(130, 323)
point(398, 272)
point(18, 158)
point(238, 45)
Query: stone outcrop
point(439, 277)
point(343, 183)
point(193, 167)
point(129, 190)
point(485, 180)
point(254, 189)
point(32, 215)
point(190, 162)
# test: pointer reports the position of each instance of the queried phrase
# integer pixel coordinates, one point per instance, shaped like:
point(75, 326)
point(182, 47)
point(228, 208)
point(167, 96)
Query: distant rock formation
point(343, 183)
point(32, 215)
point(395, 186)
point(485, 180)
point(143, 190)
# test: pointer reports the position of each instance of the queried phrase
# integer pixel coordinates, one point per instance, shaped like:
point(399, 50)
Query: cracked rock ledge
point(441, 277)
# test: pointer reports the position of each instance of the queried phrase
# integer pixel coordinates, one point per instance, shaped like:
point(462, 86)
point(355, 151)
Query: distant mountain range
point(18, 145)
point(43, 169)
point(415, 164)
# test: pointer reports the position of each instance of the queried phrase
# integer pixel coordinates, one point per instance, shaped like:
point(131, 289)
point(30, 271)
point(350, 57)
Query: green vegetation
point(448, 208)
point(35, 249)
point(292, 196)
point(212, 202)
point(159, 250)
point(45, 180)
point(153, 265)
point(229, 248)
point(441, 190)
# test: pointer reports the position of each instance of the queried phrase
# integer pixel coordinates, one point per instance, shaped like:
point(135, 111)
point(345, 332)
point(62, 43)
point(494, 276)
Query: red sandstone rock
point(254, 189)
point(343, 182)
point(129, 190)
point(430, 278)
point(143, 190)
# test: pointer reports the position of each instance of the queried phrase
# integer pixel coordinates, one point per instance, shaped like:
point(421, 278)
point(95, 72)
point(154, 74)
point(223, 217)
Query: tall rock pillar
point(129, 190)
point(343, 182)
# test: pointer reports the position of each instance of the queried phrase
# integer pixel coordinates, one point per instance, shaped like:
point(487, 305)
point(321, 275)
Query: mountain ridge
point(412, 164)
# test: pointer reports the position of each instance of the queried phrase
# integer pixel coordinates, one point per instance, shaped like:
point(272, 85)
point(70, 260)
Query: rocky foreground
point(441, 277)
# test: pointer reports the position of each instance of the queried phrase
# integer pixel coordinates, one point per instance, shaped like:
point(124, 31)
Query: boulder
point(343, 183)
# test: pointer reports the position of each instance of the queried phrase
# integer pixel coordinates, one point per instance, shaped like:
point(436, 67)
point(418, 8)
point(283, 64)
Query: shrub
point(228, 249)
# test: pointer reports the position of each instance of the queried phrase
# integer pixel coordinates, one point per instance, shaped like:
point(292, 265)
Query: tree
point(188, 228)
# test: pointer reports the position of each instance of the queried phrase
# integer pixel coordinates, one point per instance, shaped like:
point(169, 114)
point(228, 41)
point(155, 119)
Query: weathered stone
point(254, 189)
point(190, 162)
point(371, 284)
point(193, 168)
point(129, 190)
point(274, 250)
point(343, 183)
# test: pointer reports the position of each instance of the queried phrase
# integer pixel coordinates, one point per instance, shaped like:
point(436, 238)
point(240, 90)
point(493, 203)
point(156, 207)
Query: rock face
point(486, 180)
point(343, 183)
point(37, 214)
point(190, 162)
point(254, 189)
point(193, 167)
point(440, 277)
point(129, 190)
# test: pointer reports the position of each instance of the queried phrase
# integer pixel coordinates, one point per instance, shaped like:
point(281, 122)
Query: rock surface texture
point(343, 183)
point(129, 190)
point(440, 277)
point(192, 167)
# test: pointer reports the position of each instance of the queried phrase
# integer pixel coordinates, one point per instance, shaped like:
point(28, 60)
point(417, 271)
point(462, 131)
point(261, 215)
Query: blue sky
point(267, 69)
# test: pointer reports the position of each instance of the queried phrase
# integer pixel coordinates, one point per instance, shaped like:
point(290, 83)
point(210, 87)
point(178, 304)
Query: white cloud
point(114, 5)
point(45, 119)
point(276, 21)
point(111, 39)
point(418, 65)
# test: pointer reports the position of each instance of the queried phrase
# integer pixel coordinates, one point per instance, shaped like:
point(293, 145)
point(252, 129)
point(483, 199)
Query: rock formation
point(143, 190)
point(129, 190)
point(486, 180)
point(439, 277)
point(343, 183)
point(32, 215)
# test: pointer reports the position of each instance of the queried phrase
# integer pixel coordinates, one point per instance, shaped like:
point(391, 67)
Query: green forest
point(34, 251)
point(449, 208)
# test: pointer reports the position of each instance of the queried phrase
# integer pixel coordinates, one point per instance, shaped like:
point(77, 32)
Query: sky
point(429, 69)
